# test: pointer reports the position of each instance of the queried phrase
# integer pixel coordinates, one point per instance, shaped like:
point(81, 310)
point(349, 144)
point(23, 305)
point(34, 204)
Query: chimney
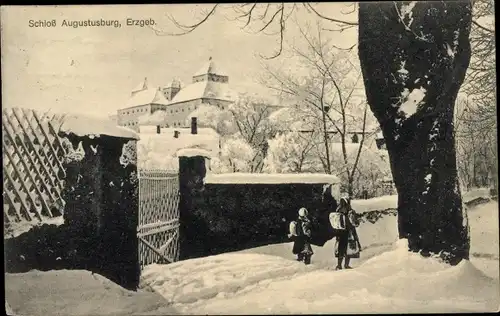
point(194, 126)
point(158, 129)
point(176, 134)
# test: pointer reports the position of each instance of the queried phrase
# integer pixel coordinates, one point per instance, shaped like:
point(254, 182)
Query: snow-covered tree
point(214, 117)
point(246, 120)
point(236, 156)
point(480, 81)
point(372, 167)
point(328, 97)
point(414, 57)
point(477, 153)
point(292, 152)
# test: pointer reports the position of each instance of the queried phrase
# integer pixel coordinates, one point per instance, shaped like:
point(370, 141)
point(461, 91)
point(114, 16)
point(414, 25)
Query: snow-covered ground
point(77, 292)
point(387, 279)
point(267, 280)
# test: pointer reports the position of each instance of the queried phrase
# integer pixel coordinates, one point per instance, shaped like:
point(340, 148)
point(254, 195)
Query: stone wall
point(223, 217)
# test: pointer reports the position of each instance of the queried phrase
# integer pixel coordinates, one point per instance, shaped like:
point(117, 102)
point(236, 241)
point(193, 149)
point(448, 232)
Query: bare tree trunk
point(404, 47)
point(325, 131)
point(327, 146)
point(356, 161)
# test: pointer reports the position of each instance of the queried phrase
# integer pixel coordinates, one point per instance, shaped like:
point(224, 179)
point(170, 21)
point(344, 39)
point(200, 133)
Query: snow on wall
point(263, 178)
point(192, 152)
point(85, 126)
point(378, 203)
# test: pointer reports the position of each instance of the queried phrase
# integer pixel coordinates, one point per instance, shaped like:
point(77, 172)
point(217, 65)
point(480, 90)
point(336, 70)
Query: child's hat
point(303, 211)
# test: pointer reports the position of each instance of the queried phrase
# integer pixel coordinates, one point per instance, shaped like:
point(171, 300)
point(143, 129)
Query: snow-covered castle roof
point(143, 85)
point(147, 96)
point(210, 68)
point(205, 89)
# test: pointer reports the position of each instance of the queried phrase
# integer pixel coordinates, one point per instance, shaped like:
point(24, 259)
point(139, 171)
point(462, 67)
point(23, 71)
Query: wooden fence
point(33, 170)
point(158, 230)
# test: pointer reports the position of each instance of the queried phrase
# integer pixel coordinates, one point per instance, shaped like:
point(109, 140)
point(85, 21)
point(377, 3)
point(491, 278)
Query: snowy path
point(397, 281)
point(386, 279)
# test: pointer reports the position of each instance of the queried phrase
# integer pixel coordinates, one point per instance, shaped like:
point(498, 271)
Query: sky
point(92, 70)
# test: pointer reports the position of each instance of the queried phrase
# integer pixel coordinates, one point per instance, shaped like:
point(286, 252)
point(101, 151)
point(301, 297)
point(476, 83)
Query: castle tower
point(210, 72)
point(171, 91)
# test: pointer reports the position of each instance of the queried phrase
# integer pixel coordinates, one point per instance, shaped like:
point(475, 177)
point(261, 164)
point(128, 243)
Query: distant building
point(158, 146)
point(209, 85)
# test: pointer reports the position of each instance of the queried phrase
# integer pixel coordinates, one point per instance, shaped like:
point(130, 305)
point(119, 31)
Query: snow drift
point(77, 292)
point(396, 281)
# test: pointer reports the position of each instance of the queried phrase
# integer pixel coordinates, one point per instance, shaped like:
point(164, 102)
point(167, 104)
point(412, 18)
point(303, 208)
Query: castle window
point(171, 111)
point(182, 110)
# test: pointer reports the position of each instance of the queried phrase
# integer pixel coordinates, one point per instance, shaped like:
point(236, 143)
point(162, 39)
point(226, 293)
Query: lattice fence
point(158, 230)
point(33, 174)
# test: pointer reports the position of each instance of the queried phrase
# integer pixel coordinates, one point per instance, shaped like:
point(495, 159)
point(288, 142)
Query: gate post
point(192, 172)
point(101, 194)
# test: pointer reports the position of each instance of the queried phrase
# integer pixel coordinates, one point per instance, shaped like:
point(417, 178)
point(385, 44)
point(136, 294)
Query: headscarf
point(303, 212)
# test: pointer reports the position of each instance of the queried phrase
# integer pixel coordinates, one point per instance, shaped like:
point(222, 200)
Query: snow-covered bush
point(291, 152)
point(373, 166)
point(212, 116)
point(236, 156)
point(296, 152)
point(245, 120)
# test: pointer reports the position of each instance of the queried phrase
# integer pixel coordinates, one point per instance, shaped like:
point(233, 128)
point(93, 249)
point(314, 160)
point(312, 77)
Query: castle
point(209, 86)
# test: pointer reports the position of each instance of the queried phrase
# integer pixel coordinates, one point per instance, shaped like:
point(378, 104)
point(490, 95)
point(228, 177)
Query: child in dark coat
point(302, 242)
point(347, 244)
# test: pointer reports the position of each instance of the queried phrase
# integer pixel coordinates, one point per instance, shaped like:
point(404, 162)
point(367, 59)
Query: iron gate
point(158, 230)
